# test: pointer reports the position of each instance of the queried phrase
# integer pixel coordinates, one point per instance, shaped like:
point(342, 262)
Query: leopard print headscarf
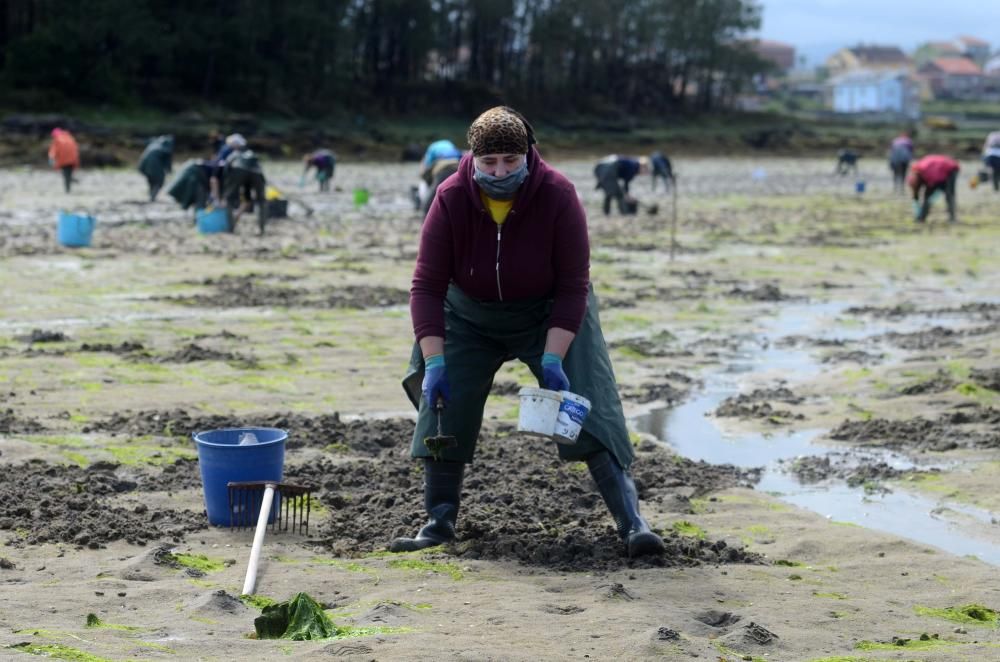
point(500, 130)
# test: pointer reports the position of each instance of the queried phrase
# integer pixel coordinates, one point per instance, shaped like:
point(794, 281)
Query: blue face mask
point(502, 188)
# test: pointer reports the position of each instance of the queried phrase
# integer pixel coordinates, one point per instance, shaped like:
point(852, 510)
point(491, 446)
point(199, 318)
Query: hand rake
point(442, 441)
point(246, 497)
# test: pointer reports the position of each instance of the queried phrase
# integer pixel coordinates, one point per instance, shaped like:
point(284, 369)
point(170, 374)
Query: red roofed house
point(974, 48)
point(953, 78)
point(935, 49)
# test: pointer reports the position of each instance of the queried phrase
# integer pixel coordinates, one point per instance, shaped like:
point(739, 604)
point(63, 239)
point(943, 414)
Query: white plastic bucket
point(572, 411)
point(538, 411)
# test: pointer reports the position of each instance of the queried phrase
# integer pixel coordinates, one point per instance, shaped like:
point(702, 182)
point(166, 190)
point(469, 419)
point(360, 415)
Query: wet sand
point(111, 356)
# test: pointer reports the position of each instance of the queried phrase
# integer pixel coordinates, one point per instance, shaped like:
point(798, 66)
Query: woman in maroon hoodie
point(502, 273)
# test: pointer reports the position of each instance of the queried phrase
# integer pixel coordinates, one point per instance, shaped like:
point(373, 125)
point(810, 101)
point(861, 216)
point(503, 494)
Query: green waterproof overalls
point(482, 335)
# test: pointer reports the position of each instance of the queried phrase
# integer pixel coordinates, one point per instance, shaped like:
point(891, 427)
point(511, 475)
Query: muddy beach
point(813, 385)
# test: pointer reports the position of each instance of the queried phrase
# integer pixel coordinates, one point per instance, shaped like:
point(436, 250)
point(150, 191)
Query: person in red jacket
point(64, 155)
point(931, 174)
point(502, 273)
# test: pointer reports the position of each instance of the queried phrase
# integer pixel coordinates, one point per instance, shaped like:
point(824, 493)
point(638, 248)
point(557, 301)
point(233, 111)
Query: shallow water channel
point(691, 431)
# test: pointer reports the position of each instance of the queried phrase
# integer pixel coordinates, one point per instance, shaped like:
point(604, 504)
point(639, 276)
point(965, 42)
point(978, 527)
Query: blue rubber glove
point(435, 384)
point(553, 377)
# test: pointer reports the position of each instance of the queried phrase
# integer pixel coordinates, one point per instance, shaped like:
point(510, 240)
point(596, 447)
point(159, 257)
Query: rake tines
point(245, 499)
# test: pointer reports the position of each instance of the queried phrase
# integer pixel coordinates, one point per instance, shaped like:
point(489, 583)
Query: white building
point(868, 91)
point(992, 66)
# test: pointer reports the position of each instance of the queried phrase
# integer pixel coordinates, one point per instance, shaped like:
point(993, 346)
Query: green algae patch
point(132, 456)
point(831, 596)
point(422, 565)
point(79, 459)
point(350, 566)
point(93, 621)
point(740, 499)
point(924, 642)
point(62, 441)
point(58, 652)
point(688, 529)
point(788, 564)
point(298, 619)
point(198, 562)
point(155, 646)
point(257, 601)
point(726, 650)
point(303, 619)
point(971, 614)
point(971, 390)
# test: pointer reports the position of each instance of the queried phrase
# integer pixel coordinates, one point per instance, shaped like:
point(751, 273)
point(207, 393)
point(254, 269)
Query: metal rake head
point(291, 505)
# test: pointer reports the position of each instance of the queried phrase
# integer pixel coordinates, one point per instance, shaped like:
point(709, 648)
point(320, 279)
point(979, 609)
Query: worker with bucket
point(504, 266)
point(64, 155)
point(932, 175)
point(190, 187)
point(239, 184)
point(156, 161)
point(614, 174)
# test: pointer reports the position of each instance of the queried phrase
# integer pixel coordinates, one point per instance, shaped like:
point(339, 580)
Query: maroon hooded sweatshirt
point(541, 250)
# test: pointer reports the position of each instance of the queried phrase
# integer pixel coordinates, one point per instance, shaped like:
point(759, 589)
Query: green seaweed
point(133, 456)
point(79, 459)
point(832, 596)
point(257, 601)
point(421, 565)
point(688, 529)
point(94, 622)
point(970, 614)
point(924, 642)
point(58, 652)
point(350, 566)
point(726, 650)
point(198, 562)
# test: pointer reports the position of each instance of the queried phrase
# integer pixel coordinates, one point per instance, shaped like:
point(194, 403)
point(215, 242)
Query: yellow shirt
point(498, 208)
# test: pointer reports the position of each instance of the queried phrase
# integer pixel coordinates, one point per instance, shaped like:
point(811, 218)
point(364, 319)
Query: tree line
point(313, 57)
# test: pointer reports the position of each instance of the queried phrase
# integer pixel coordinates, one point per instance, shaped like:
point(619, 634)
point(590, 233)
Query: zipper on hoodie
point(499, 290)
point(499, 231)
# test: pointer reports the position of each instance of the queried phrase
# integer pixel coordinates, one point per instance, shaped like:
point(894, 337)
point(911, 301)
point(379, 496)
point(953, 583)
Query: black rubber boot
point(618, 491)
point(442, 492)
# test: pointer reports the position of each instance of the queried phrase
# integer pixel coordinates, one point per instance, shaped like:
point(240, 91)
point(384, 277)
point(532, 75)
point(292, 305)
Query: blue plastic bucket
point(212, 221)
point(75, 230)
point(859, 187)
point(223, 460)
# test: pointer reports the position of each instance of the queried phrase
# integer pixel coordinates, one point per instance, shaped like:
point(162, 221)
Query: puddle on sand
point(692, 433)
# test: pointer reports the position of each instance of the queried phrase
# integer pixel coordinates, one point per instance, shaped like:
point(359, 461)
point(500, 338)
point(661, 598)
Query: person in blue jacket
point(614, 173)
point(439, 163)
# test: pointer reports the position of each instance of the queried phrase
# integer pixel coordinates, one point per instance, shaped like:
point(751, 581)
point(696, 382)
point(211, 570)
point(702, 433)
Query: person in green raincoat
point(156, 162)
point(243, 187)
point(503, 273)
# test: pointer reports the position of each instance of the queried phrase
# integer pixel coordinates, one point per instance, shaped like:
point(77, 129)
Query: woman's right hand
point(435, 385)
